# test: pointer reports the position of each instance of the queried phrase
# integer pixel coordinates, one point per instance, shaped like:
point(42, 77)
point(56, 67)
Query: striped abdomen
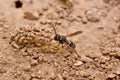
point(71, 44)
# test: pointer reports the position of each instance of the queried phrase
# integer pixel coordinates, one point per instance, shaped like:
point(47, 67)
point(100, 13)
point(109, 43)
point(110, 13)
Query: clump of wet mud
point(31, 37)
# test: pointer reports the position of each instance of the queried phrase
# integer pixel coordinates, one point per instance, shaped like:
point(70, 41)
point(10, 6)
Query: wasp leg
point(51, 40)
point(63, 46)
point(61, 50)
point(73, 50)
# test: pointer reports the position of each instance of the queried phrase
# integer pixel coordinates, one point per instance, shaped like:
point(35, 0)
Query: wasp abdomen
point(71, 44)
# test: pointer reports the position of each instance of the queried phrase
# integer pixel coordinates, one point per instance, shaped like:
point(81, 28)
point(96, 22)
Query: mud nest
point(33, 38)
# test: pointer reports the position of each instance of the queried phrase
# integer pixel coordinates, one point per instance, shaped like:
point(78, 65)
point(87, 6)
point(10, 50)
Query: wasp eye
point(57, 37)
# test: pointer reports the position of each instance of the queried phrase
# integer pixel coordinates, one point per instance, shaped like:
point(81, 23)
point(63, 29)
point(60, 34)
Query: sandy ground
point(26, 52)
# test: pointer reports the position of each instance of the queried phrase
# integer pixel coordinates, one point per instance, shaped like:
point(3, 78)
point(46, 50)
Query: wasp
point(63, 40)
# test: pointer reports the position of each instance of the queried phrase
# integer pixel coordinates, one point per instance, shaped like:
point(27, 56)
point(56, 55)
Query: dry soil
point(28, 53)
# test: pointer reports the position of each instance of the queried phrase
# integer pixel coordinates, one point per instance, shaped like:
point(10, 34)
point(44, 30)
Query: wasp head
point(57, 37)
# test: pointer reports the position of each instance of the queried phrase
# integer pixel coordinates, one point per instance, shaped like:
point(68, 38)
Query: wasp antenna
point(54, 29)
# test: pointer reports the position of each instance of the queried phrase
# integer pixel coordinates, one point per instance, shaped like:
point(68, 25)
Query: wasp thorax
point(62, 39)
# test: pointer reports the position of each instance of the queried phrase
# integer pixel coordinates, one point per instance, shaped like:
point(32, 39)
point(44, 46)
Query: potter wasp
point(63, 40)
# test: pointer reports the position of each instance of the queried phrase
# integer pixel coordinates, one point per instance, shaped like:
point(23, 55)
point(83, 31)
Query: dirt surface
point(28, 53)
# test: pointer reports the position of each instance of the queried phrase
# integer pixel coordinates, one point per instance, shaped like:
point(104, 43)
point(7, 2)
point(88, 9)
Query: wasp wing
point(74, 34)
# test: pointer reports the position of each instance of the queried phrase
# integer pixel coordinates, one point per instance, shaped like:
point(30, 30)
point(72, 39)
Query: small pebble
point(116, 19)
point(117, 70)
point(83, 73)
point(34, 62)
point(3, 70)
point(93, 15)
point(60, 77)
point(45, 8)
point(78, 63)
point(86, 59)
point(30, 16)
point(27, 68)
point(111, 75)
point(33, 75)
